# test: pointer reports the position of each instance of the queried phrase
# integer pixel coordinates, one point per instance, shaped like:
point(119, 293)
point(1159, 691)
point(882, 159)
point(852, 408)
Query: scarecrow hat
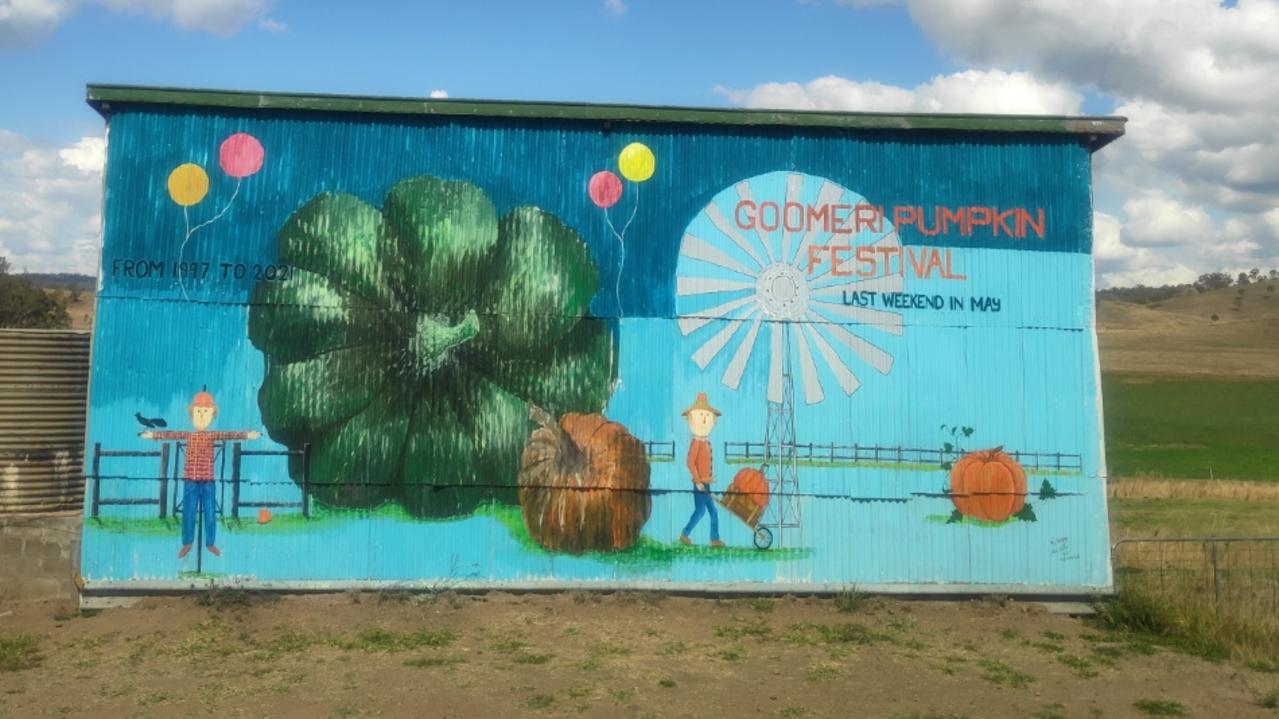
point(701, 403)
point(202, 399)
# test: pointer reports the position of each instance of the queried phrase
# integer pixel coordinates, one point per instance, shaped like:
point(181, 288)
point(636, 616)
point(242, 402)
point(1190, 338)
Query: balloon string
point(617, 287)
point(218, 216)
point(186, 221)
point(186, 218)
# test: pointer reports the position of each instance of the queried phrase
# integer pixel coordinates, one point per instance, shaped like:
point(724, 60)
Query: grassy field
point(1191, 427)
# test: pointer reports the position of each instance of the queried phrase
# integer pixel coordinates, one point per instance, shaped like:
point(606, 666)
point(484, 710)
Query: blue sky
point(1193, 187)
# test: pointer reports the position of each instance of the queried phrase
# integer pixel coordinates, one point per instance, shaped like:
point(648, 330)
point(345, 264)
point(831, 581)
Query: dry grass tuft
point(1157, 488)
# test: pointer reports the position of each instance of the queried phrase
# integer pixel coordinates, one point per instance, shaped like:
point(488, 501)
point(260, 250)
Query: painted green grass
point(646, 554)
point(1191, 428)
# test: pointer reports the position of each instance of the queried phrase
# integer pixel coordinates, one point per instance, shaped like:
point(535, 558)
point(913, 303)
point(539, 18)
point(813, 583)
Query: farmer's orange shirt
point(699, 461)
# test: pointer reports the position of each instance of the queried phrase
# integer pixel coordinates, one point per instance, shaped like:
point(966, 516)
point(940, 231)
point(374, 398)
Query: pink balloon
point(605, 189)
point(241, 155)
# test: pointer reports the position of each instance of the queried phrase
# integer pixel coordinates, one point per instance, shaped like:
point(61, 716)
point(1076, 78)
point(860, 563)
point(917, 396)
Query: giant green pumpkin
point(407, 344)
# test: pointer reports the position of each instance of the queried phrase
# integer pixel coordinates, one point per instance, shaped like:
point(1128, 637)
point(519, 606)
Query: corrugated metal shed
point(44, 378)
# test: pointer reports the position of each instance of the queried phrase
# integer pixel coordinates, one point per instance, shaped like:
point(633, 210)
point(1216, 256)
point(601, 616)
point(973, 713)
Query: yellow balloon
point(188, 184)
point(636, 162)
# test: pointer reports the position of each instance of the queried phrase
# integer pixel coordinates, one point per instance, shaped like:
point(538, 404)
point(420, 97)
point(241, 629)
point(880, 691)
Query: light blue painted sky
point(1193, 187)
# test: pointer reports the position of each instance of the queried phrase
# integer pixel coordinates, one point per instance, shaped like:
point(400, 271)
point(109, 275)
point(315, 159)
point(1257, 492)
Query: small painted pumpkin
point(583, 484)
point(988, 485)
point(752, 483)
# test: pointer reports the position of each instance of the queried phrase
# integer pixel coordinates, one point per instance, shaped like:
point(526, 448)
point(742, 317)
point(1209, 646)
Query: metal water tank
point(44, 380)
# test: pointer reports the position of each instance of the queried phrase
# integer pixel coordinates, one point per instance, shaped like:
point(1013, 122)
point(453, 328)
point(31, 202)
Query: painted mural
point(434, 352)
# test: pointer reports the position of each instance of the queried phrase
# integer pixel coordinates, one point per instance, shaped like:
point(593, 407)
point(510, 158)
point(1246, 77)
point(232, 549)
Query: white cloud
point(89, 155)
point(1156, 219)
point(1120, 265)
point(439, 94)
point(616, 8)
point(223, 18)
point(24, 21)
point(993, 91)
point(1192, 53)
point(50, 204)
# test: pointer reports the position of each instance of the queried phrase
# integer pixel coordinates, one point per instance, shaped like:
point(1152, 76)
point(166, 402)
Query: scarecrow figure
point(198, 493)
point(701, 417)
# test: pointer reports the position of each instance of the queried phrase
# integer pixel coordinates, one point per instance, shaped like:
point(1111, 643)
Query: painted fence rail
point(518, 345)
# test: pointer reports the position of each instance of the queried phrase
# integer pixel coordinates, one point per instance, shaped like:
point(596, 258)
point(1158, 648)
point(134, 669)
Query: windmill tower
point(781, 466)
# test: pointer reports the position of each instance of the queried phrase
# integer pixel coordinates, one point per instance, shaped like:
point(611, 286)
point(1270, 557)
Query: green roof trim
point(1097, 131)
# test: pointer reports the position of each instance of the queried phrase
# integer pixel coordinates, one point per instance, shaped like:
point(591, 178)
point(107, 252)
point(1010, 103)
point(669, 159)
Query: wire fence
point(1234, 576)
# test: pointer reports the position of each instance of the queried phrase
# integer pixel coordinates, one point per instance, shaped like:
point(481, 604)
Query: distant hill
point(60, 280)
point(1222, 332)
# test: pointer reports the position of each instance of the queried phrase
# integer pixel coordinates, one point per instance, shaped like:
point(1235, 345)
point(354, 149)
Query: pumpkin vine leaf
point(1026, 514)
point(955, 517)
point(411, 340)
point(1047, 490)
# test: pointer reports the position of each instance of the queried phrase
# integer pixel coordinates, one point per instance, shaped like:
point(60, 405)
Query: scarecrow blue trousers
point(198, 498)
point(703, 503)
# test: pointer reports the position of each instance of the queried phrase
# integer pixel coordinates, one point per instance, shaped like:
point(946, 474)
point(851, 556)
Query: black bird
point(150, 423)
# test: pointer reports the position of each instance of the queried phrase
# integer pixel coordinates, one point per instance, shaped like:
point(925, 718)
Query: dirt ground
point(594, 655)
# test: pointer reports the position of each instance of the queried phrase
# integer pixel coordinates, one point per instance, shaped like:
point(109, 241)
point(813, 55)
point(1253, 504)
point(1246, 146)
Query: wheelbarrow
point(746, 499)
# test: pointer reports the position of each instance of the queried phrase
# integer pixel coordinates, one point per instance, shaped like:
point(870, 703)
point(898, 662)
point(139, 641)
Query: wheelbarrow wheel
point(763, 538)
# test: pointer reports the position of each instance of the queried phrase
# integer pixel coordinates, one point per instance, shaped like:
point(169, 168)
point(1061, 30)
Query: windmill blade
point(869, 353)
point(692, 322)
point(808, 370)
point(712, 347)
point(890, 322)
point(685, 286)
point(775, 392)
point(847, 380)
point(737, 366)
point(724, 226)
point(698, 249)
point(794, 186)
point(744, 194)
point(827, 195)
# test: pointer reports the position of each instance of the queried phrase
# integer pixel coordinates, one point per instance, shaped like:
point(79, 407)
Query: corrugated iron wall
point(44, 382)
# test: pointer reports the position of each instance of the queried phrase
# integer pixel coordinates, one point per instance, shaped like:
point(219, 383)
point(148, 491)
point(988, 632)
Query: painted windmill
point(744, 268)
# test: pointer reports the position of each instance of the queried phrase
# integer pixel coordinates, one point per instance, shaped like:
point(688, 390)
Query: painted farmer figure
point(199, 489)
point(701, 418)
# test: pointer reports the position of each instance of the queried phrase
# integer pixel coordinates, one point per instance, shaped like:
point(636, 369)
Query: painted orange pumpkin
point(752, 483)
point(988, 485)
point(583, 484)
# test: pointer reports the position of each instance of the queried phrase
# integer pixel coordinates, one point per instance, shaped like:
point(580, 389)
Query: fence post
point(1216, 588)
point(306, 480)
point(164, 480)
point(236, 449)
point(97, 481)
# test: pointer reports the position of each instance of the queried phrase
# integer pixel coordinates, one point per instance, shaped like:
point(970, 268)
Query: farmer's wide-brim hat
point(701, 403)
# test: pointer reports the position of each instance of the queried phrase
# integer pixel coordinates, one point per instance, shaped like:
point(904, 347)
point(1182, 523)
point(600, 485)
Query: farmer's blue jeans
point(198, 498)
point(703, 504)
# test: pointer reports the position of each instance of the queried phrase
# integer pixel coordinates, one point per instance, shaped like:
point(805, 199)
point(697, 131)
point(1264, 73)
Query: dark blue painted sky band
point(547, 164)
